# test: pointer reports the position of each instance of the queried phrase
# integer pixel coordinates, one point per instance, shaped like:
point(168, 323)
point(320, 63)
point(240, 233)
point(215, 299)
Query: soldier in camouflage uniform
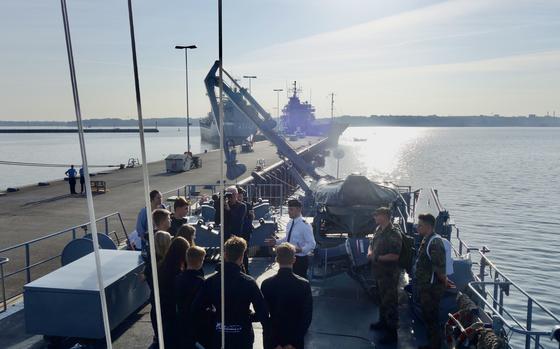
point(384, 252)
point(431, 278)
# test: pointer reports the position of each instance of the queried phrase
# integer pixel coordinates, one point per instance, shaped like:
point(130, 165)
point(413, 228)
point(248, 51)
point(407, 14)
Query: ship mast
point(332, 105)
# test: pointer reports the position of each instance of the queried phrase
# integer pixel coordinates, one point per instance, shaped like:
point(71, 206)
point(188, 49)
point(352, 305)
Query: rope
point(39, 164)
point(91, 210)
point(146, 181)
point(222, 179)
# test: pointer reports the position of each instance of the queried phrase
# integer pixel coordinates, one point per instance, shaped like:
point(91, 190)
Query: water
point(499, 184)
point(102, 149)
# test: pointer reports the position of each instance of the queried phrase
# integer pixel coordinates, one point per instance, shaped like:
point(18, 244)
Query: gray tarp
point(350, 203)
point(354, 190)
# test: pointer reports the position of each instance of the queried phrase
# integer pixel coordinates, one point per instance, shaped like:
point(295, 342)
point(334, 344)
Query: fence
point(16, 270)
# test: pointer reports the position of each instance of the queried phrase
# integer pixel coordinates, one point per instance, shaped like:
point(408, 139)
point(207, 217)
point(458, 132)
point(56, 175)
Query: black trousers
point(301, 265)
point(82, 182)
point(72, 182)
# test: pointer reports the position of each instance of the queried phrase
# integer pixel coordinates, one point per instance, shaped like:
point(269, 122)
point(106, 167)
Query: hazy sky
point(453, 57)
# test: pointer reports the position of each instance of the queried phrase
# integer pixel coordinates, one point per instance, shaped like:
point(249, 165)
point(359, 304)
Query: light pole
point(187, 48)
point(249, 77)
point(278, 90)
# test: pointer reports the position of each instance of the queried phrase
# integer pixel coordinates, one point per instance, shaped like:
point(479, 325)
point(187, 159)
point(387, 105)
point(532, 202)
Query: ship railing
point(275, 193)
point(491, 288)
point(19, 267)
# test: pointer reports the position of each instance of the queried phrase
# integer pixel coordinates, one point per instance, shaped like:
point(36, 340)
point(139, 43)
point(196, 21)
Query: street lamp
point(187, 48)
point(278, 90)
point(249, 77)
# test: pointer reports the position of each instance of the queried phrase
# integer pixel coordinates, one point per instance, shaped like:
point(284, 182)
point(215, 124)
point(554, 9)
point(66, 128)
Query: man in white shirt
point(300, 234)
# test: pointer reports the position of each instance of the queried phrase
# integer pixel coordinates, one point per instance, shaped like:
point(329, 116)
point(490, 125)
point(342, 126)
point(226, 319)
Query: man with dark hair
point(240, 292)
point(431, 277)
point(289, 300)
point(178, 218)
point(142, 220)
point(300, 234)
point(384, 251)
point(71, 173)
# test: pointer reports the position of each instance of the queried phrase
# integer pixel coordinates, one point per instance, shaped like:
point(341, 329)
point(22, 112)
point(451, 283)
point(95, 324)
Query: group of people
point(191, 303)
point(429, 271)
point(72, 175)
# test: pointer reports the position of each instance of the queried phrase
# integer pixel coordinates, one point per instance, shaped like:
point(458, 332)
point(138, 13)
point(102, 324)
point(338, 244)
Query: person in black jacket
point(241, 291)
point(187, 285)
point(289, 300)
point(173, 264)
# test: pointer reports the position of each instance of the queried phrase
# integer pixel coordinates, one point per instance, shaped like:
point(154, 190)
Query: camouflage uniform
point(388, 240)
point(430, 288)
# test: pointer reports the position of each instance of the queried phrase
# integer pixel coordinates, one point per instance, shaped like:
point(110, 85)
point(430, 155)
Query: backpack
point(448, 259)
point(406, 257)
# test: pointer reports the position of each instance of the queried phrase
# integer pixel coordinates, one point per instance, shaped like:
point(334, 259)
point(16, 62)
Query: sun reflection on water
point(381, 150)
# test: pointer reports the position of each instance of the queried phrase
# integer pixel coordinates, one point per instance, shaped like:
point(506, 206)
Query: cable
point(91, 211)
point(345, 335)
point(39, 164)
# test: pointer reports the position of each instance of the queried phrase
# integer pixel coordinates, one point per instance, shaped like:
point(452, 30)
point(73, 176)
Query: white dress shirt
point(302, 236)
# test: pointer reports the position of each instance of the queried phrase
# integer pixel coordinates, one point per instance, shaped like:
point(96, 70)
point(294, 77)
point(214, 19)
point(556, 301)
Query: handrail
point(496, 305)
point(26, 246)
point(3, 260)
point(56, 233)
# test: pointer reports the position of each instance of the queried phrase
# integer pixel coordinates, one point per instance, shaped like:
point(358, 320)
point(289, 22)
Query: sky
point(415, 57)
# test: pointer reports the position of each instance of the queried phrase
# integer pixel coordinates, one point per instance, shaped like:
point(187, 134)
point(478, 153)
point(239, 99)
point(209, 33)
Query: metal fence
point(16, 270)
point(275, 193)
point(492, 288)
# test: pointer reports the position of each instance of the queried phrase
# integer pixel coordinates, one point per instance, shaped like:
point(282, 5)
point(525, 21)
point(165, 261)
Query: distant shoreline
point(352, 121)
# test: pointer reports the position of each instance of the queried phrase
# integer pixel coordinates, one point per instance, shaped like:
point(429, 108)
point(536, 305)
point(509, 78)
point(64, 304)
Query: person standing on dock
point(431, 277)
point(71, 173)
point(384, 251)
point(290, 302)
point(82, 180)
point(300, 234)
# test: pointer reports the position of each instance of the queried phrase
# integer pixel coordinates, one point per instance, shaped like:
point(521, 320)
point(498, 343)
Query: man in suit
point(289, 300)
point(299, 233)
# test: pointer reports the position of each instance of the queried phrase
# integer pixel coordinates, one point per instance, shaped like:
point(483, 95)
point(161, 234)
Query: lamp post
point(249, 77)
point(187, 48)
point(278, 90)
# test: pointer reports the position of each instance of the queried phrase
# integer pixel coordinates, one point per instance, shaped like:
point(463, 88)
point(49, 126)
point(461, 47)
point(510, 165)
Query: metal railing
point(275, 193)
point(501, 287)
point(25, 249)
point(3, 260)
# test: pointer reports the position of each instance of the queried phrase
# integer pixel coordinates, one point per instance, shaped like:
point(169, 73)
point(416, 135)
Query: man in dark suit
point(289, 300)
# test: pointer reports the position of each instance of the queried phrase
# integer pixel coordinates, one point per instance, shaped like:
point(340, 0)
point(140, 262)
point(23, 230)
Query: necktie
point(290, 232)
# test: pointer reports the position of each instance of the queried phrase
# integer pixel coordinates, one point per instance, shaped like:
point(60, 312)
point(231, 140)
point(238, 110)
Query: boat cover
point(354, 190)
